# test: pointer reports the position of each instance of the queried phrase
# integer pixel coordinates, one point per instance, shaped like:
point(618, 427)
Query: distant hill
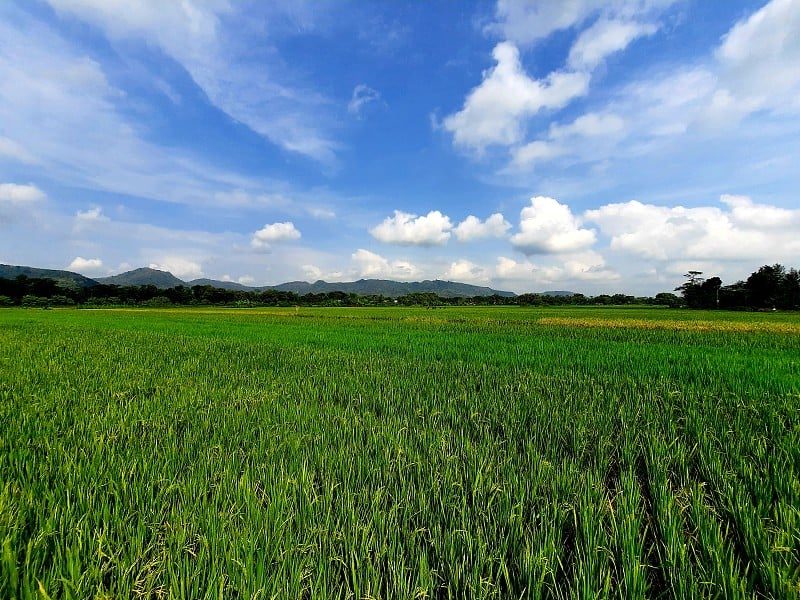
point(557, 293)
point(66, 278)
point(144, 276)
point(391, 289)
point(225, 285)
point(362, 287)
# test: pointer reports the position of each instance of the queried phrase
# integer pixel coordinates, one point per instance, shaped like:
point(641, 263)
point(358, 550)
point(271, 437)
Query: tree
point(765, 285)
point(668, 299)
point(690, 290)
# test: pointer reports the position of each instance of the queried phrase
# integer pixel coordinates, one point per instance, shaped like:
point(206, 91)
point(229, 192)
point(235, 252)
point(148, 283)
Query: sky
point(598, 146)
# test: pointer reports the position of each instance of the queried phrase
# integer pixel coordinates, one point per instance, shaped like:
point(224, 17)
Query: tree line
point(769, 287)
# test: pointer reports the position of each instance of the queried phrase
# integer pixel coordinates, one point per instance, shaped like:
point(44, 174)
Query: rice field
point(399, 453)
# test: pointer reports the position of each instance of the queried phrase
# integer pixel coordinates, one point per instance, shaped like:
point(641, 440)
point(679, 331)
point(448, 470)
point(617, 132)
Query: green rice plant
point(398, 453)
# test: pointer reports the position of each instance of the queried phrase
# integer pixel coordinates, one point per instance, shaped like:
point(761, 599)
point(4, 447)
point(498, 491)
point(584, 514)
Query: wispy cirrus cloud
point(205, 38)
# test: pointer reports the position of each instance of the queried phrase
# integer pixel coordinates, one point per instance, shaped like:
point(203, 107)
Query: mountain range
point(166, 280)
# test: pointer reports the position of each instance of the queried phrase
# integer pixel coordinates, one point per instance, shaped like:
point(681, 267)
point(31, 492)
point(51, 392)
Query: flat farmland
point(399, 453)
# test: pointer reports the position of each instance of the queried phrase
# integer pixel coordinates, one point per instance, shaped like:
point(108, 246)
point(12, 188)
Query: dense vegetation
point(770, 287)
point(399, 453)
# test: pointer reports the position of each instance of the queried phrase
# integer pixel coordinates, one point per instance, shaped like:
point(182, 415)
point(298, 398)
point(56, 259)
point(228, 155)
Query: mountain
point(144, 276)
point(558, 293)
point(224, 285)
point(362, 287)
point(65, 278)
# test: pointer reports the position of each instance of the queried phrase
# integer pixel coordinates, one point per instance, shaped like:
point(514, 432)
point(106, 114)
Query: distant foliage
point(771, 287)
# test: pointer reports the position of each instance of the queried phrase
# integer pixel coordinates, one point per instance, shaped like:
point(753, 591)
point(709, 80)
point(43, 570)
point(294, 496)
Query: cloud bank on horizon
point(593, 145)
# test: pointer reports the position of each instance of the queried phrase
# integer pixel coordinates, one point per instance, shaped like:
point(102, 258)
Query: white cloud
point(472, 228)
point(59, 96)
point(274, 232)
point(586, 132)
point(589, 125)
point(604, 38)
point(362, 96)
point(322, 213)
point(408, 229)
point(92, 215)
point(81, 264)
point(527, 21)
point(759, 60)
point(495, 112)
point(15, 193)
point(246, 280)
point(575, 268)
point(374, 266)
point(466, 271)
point(745, 231)
point(534, 152)
point(205, 38)
point(86, 220)
point(180, 266)
point(11, 149)
point(549, 227)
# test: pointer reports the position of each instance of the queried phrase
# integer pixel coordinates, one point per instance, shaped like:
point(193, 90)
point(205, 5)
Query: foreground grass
point(399, 453)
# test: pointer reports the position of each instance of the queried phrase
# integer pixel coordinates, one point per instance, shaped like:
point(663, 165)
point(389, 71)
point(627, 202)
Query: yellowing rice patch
point(724, 326)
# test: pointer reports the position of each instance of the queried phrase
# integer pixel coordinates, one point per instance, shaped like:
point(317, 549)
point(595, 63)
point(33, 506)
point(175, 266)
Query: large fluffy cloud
point(83, 265)
point(180, 266)
point(495, 112)
point(274, 232)
point(408, 229)
point(370, 265)
point(466, 271)
point(472, 228)
point(549, 227)
point(576, 268)
point(742, 231)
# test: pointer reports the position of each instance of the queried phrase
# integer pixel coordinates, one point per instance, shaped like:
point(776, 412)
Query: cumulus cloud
point(742, 231)
point(86, 220)
point(362, 96)
point(407, 229)
point(466, 271)
point(180, 266)
point(370, 265)
point(495, 112)
point(15, 193)
point(472, 228)
point(81, 264)
point(579, 267)
point(272, 233)
point(549, 227)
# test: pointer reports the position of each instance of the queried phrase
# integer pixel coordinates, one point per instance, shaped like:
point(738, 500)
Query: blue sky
point(596, 146)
